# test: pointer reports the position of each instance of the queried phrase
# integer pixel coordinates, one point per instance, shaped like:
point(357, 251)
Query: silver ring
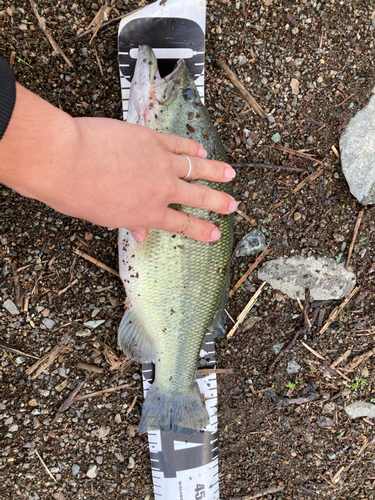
point(187, 175)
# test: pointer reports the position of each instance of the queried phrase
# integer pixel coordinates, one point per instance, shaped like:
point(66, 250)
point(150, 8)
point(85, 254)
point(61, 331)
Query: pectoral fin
point(133, 337)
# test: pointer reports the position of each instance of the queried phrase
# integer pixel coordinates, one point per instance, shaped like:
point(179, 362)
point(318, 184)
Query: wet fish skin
point(174, 284)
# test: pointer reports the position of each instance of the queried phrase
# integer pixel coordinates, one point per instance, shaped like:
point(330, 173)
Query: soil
point(311, 449)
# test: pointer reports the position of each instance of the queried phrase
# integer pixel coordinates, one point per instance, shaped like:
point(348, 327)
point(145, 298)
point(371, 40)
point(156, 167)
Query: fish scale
point(174, 284)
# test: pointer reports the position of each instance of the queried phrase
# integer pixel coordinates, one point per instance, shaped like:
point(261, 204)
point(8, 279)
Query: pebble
point(276, 137)
point(250, 322)
point(120, 457)
point(136, 376)
point(331, 455)
point(131, 463)
point(20, 359)
point(277, 347)
point(325, 422)
point(13, 428)
point(48, 323)
point(11, 307)
point(293, 367)
point(360, 409)
point(46, 312)
point(92, 471)
point(294, 86)
point(33, 402)
point(131, 431)
point(103, 431)
point(251, 243)
point(62, 372)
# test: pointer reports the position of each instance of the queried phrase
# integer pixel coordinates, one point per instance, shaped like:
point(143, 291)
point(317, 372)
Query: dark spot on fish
point(190, 128)
point(181, 246)
point(150, 62)
point(145, 59)
point(170, 378)
point(190, 115)
point(172, 310)
point(197, 115)
point(130, 322)
point(173, 236)
point(156, 116)
point(151, 105)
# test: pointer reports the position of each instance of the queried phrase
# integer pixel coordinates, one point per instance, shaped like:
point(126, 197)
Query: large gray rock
point(323, 277)
point(357, 146)
point(360, 409)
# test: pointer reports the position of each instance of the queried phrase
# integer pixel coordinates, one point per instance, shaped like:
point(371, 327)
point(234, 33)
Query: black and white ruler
point(183, 467)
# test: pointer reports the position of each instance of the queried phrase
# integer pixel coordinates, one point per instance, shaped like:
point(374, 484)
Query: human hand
point(109, 172)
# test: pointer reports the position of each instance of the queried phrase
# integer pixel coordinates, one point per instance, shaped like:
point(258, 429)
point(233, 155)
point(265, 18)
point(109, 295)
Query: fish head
point(161, 103)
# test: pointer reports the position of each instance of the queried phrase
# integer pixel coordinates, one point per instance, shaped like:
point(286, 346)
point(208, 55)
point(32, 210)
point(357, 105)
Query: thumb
point(139, 233)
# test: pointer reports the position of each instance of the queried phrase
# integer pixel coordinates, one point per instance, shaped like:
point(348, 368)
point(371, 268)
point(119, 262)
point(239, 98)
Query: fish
point(176, 287)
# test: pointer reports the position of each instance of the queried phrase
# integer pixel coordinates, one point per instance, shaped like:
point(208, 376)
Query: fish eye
point(189, 94)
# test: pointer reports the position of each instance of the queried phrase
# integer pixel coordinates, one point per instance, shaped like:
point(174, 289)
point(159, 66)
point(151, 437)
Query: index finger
point(178, 145)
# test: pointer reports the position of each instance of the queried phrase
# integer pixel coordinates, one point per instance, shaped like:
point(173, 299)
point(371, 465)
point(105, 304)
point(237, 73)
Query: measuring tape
point(183, 467)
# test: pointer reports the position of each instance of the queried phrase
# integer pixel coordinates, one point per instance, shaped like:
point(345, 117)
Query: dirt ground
point(311, 449)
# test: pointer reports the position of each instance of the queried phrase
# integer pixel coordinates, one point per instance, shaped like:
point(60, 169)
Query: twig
point(299, 331)
point(342, 102)
point(242, 90)
point(67, 287)
point(96, 262)
point(6, 347)
point(336, 477)
point(264, 165)
point(341, 358)
point(104, 391)
point(44, 465)
point(49, 358)
point(249, 271)
point(246, 217)
point(298, 153)
point(90, 368)
point(358, 360)
point(99, 63)
point(262, 493)
point(55, 47)
point(71, 397)
point(336, 370)
point(310, 178)
point(16, 283)
point(355, 233)
point(338, 309)
point(245, 311)
point(132, 405)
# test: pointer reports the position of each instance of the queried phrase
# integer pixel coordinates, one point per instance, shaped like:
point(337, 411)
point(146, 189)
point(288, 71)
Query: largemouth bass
point(174, 285)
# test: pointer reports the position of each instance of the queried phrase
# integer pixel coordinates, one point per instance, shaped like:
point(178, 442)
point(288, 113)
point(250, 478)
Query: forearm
point(35, 145)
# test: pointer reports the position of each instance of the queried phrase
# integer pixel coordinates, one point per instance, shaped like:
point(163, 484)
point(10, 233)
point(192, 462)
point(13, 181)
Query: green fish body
point(174, 285)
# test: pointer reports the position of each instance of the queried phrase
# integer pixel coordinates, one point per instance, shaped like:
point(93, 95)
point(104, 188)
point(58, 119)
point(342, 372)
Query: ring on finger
point(189, 172)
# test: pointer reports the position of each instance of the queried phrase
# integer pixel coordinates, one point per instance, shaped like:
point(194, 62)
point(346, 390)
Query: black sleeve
point(7, 95)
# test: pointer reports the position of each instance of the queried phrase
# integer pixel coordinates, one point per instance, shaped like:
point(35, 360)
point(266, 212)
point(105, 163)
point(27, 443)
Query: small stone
point(293, 367)
point(277, 347)
point(250, 322)
point(294, 86)
point(46, 312)
point(120, 457)
point(95, 311)
point(62, 372)
point(23, 27)
point(99, 459)
point(331, 455)
point(131, 431)
point(92, 471)
point(85, 105)
point(75, 469)
point(360, 409)
point(11, 307)
point(33, 402)
point(328, 408)
point(103, 431)
point(48, 323)
point(251, 243)
point(293, 454)
point(3, 241)
point(297, 216)
point(276, 137)
point(318, 462)
point(136, 376)
point(325, 422)
point(131, 463)
point(20, 359)
point(13, 428)
point(93, 324)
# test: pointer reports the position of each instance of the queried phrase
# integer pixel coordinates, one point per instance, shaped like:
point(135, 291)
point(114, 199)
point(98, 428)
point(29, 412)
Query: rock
point(331, 455)
point(118, 419)
point(323, 276)
point(328, 408)
point(277, 347)
point(131, 463)
point(13, 428)
point(325, 422)
point(294, 86)
point(48, 323)
point(293, 367)
point(11, 307)
point(94, 324)
point(360, 409)
point(33, 402)
point(103, 431)
point(251, 243)
point(92, 471)
point(357, 147)
point(250, 322)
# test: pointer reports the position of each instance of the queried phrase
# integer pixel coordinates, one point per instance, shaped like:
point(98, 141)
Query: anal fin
point(217, 325)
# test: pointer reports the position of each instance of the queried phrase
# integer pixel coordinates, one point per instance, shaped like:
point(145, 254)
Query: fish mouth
point(147, 84)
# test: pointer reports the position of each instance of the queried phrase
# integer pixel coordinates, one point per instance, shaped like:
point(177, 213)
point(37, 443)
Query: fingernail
point(232, 206)
point(216, 234)
point(229, 173)
point(202, 153)
point(137, 237)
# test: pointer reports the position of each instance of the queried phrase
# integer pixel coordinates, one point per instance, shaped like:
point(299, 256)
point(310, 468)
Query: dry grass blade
point(249, 271)
point(341, 358)
point(132, 405)
point(96, 262)
point(246, 217)
point(310, 178)
point(101, 16)
point(271, 167)
point(71, 397)
point(56, 48)
point(74, 282)
point(217, 371)
point(336, 370)
point(298, 153)
point(90, 368)
point(44, 465)
point(16, 283)
point(262, 493)
point(338, 309)
point(49, 358)
point(246, 310)
point(358, 360)
point(7, 347)
point(104, 391)
point(116, 363)
point(241, 88)
point(355, 233)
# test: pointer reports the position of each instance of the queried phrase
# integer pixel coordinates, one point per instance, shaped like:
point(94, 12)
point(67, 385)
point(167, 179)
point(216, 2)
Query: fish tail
point(182, 413)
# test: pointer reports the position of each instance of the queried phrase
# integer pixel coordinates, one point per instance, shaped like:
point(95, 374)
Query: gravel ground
point(311, 66)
